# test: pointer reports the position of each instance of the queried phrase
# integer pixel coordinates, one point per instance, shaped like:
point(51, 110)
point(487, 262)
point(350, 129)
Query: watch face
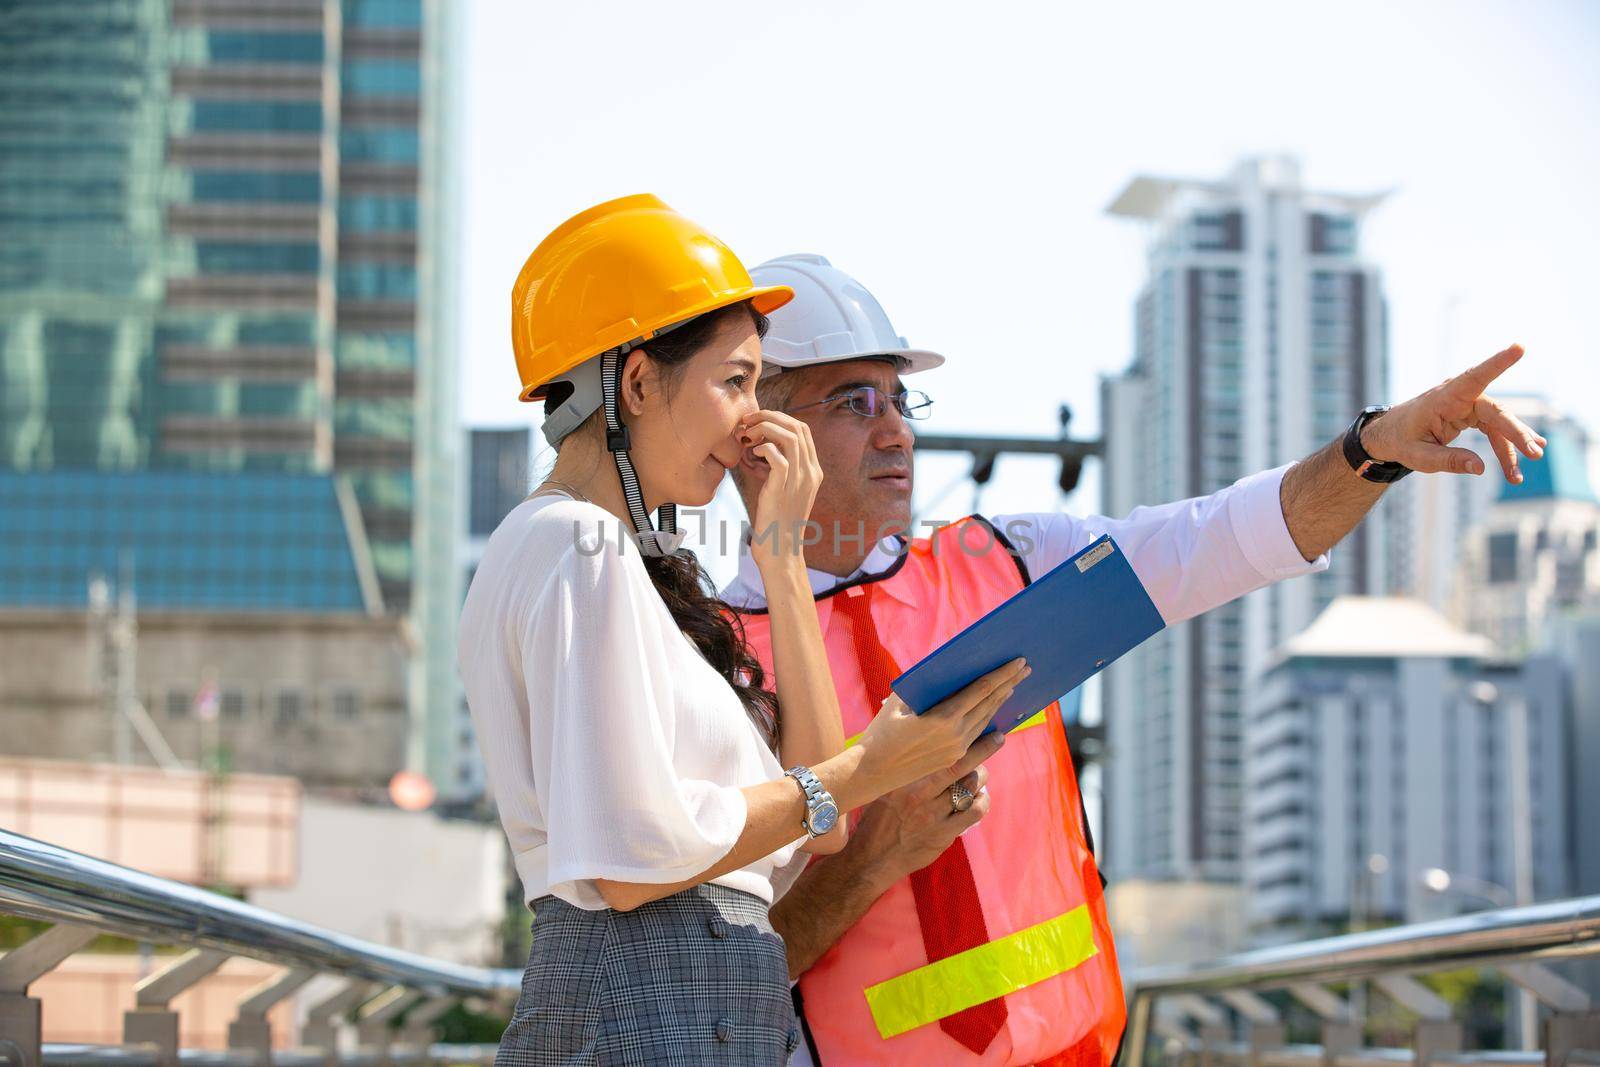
point(822, 819)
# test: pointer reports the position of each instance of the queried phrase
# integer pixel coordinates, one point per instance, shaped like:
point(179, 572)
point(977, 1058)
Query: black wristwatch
point(1370, 469)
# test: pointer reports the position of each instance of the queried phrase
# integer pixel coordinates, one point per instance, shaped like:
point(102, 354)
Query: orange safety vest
point(875, 998)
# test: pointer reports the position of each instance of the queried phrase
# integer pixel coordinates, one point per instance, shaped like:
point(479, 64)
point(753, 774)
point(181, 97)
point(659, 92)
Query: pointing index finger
point(1471, 384)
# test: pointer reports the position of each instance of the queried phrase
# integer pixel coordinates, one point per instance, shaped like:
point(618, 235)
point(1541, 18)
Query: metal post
point(1339, 1033)
point(1139, 1028)
point(1437, 1033)
point(1521, 846)
point(152, 1021)
point(418, 1029)
point(1566, 1034)
point(321, 1030)
point(22, 1016)
point(251, 1030)
point(374, 1021)
point(1264, 1028)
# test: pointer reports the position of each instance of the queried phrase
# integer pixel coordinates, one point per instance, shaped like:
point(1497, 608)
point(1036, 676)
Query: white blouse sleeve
point(601, 720)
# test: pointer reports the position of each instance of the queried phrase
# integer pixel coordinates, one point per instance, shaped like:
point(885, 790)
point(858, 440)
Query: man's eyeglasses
point(871, 402)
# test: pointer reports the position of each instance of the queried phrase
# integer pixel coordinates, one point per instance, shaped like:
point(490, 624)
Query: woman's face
point(684, 430)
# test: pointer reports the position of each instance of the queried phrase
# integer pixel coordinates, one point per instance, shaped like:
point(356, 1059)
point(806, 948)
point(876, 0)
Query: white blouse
point(614, 750)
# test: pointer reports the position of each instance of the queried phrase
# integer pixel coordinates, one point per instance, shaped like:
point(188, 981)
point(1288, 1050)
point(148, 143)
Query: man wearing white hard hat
point(964, 923)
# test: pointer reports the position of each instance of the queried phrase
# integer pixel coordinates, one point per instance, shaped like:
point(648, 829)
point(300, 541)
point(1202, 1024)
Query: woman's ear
point(638, 380)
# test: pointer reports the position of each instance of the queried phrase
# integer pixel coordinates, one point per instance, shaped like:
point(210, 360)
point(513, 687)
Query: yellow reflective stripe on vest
point(1027, 724)
point(969, 978)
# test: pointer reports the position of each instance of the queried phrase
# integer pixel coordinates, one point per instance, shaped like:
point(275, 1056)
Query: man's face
point(866, 462)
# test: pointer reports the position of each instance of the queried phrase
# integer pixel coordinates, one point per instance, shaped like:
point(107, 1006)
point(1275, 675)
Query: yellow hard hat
point(618, 274)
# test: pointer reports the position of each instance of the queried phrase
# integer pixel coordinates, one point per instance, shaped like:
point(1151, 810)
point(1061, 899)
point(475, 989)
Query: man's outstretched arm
point(1323, 498)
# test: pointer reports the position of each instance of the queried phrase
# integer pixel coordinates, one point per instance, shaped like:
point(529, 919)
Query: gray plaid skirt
point(697, 978)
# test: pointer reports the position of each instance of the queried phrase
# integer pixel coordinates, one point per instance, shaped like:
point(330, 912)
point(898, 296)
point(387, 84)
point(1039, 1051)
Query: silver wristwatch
point(822, 814)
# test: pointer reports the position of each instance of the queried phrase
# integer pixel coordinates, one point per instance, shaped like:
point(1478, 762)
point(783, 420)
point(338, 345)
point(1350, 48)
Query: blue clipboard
point(1069, 625)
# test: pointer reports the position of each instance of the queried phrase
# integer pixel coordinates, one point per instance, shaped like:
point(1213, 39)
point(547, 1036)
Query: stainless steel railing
point(83, 897)
point(1211, 1015)
point(1215, 1013)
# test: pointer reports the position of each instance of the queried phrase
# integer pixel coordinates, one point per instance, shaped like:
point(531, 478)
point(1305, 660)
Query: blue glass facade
point(169, 296)
point(238, 542)
point(380, 147)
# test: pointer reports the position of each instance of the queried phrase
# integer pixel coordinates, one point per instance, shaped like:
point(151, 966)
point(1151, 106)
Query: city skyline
point(980, 222)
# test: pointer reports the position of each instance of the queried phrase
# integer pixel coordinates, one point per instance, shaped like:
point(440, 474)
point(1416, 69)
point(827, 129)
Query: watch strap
point(1362, 463)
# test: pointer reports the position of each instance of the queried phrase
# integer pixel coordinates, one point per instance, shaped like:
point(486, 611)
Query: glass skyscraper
point(218, 232)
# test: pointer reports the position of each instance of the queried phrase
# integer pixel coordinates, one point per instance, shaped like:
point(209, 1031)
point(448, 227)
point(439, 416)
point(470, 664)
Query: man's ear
point(638, 380)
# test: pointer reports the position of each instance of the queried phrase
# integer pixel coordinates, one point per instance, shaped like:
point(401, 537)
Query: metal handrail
point(1540, 931)
point(1535, 931)
point(43, 881)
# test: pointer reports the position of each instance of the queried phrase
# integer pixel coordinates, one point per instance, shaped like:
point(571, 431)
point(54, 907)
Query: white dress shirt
point(614, 750)
point(1192, 555)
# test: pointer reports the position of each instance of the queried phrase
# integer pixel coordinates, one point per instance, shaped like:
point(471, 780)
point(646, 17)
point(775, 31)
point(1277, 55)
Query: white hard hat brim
point(912, 360)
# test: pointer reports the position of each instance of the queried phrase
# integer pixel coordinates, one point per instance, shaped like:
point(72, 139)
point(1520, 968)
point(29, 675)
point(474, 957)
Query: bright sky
point(957, 159)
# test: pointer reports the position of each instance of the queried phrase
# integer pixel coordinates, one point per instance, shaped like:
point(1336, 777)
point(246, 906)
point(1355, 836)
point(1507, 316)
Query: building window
point(290, 705)
point(384, 14)
point(180, 702)
point(233, 704)
point(241, 257)
point(243, 47)
point(253, 115)
point(382, 77)
point(380, 145)
point(1503, 557)
point(289, 186)
point(378, 214)
point(346, 705)
point(377, 281)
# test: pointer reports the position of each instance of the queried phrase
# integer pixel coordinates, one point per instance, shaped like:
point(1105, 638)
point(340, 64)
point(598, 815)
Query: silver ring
point(961, 798)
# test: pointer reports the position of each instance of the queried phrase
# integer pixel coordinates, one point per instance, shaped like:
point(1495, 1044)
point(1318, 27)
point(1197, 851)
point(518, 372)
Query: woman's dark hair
point(682, 582)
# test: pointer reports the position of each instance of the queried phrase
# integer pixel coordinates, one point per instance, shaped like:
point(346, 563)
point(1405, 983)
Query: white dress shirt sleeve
point(602, 718)
point(1192, 555)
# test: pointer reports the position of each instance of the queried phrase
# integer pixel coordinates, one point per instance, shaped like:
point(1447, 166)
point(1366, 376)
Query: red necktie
point(946, 896)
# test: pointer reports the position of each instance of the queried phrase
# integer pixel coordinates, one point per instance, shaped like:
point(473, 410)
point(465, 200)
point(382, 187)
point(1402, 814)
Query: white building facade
point(1379, 748)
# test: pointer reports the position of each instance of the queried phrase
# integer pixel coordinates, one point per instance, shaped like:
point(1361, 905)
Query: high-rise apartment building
point(1258, 335)
point(221, 253)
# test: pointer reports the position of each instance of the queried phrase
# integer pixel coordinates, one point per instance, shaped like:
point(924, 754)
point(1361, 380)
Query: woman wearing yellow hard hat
point(630, 739)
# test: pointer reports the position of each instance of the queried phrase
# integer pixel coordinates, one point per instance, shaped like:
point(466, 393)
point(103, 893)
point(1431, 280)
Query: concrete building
point(1380, 747)
point(411, 881)
point(1574, 639)
point(224, 254)
point(255, 636)
point(1534, 555)
point(1258, 335)
point(1440, 512)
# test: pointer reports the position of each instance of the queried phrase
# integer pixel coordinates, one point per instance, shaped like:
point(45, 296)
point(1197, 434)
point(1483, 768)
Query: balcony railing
point(83, 897)
point(1214, 1014)
point(1210, 1015)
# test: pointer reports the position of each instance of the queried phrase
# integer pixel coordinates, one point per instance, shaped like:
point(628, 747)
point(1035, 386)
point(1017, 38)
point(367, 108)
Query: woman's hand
point(901, 746)
point(783, 506)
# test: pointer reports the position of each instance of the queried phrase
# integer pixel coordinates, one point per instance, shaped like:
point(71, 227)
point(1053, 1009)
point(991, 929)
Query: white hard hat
point(831, 318)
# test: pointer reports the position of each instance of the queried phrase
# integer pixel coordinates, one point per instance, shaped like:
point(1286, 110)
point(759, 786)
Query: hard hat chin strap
point(651, 541)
